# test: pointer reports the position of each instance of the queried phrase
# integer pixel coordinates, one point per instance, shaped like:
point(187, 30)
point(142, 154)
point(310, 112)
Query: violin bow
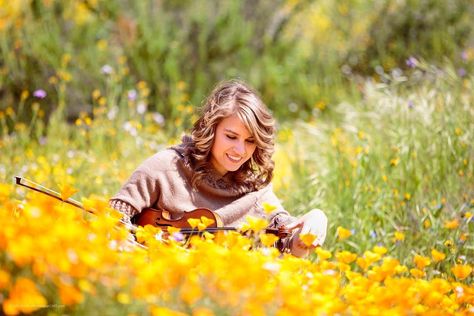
point(39, 188)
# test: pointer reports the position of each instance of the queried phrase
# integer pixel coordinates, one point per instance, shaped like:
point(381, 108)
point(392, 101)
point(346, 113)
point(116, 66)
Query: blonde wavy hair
point(229, 98)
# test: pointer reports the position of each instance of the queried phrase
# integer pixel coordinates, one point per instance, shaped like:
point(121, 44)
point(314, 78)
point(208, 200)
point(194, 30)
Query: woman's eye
point(250, 141)
point(231, 137)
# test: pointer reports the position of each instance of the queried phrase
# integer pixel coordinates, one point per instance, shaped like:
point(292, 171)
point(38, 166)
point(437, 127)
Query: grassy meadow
point(376, 128)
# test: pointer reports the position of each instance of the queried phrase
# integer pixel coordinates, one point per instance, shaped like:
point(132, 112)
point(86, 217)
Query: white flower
point(128, 127)
point(113, 245)
point(271, 266)
point(141, 108)
point(329, 272)
point(72, 256)
point(158, 118)
point(132, 95)
point(106, 70)
point(293, 107)
point(112, 114)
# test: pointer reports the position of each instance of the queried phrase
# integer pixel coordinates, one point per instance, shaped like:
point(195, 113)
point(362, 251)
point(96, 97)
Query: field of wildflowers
point(89, 89)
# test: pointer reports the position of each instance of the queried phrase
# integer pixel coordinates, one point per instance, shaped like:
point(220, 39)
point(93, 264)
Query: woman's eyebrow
point(231, 131)
point(235, 133)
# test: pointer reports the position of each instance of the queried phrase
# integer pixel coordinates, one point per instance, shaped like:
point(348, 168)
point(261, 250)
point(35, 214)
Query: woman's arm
point(140, 191)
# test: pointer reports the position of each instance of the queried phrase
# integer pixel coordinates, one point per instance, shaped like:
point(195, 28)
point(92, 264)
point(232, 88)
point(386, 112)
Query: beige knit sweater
point(163, 181)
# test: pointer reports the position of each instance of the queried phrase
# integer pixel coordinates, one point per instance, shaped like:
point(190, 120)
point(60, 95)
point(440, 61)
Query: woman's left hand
point(314, 222)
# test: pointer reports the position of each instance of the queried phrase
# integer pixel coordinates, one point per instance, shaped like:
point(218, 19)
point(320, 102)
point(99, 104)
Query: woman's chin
point(232, 167)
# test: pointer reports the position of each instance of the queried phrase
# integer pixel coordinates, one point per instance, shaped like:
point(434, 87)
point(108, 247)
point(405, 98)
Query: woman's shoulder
point(265, 190)
point(164, 159)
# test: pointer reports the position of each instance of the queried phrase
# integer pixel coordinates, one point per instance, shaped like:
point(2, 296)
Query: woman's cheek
point(252, 150)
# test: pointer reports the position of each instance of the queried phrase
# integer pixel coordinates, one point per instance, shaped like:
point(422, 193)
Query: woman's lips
point(233, 158)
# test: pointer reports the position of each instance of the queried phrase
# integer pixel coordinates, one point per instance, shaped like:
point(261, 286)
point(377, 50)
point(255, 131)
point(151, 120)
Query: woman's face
point(233, 145)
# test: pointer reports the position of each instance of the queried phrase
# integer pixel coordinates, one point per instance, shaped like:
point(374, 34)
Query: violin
point(157, 218)
point(162, 219)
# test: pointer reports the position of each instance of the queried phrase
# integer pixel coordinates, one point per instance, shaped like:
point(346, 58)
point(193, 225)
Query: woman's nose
point(240, 148)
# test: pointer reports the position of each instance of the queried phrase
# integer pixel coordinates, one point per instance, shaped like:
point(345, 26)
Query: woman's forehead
point(235, 125)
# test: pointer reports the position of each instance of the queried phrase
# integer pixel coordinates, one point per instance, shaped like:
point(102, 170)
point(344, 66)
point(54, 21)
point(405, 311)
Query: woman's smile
point(235, 159)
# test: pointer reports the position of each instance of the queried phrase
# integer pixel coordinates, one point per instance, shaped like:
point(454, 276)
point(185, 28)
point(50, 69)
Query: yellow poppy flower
point(421, 262)
point(66, 191)
point(254, 224)
point(345, 256)
point(371, 257)
point(323, 254)
point(461, 271)
point(268, 240)
point(380, 250)
point(417, 273)
point(205, 222)
point(362, 263)
point(399, 236)
point(452, 224)
point(437, 255)
point(307, 239)
point(193, 222)
point(24, 297)
point(203, 311)
point(70, 295)
point(4, 279)
point(343, 233)
point(268, 208)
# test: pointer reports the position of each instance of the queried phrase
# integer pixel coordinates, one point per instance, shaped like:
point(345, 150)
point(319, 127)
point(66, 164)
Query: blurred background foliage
point(302, 56)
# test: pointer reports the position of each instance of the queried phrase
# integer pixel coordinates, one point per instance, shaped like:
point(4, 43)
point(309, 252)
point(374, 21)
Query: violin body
point(162, 218)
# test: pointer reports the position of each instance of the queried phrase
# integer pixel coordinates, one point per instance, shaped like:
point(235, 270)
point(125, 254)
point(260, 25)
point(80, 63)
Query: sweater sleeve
point(140, 191)
point(278, 217)
point(126, 209)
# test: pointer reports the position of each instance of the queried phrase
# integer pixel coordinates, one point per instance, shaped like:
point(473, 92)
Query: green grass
point(398, 160)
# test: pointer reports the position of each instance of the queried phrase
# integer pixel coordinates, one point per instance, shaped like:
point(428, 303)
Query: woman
point(225, 165)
